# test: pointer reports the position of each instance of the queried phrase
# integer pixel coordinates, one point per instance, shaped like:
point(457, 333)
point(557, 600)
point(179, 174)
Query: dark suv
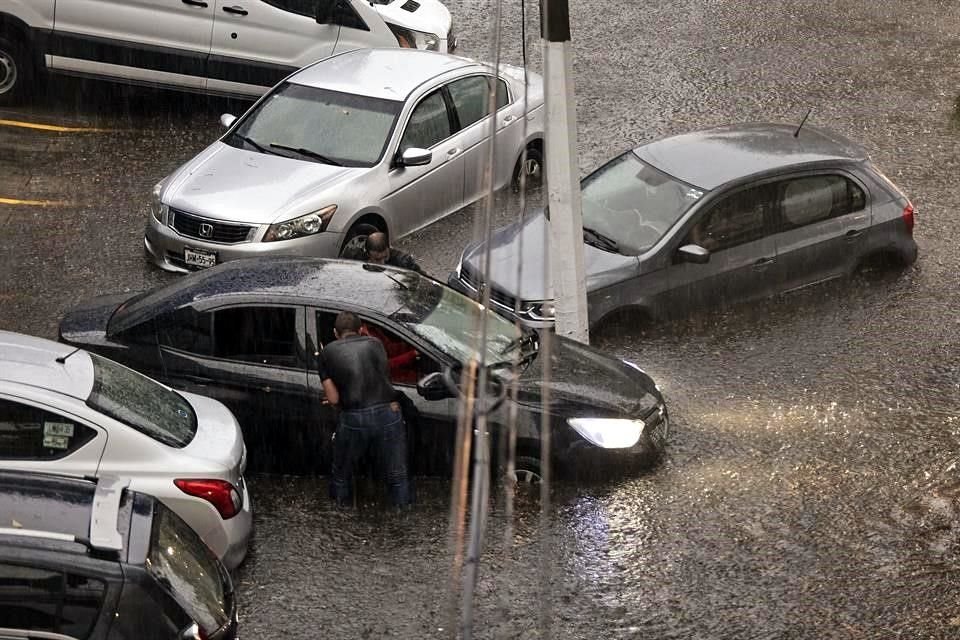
point(89, 559)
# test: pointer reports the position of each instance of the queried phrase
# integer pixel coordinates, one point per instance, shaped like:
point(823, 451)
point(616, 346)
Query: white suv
point(233, 47)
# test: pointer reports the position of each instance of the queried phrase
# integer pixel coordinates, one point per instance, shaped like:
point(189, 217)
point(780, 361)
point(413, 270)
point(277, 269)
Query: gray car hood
point(527, 242)
point(237, 185)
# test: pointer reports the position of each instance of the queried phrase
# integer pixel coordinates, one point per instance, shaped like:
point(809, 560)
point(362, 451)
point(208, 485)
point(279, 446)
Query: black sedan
point(248, 333)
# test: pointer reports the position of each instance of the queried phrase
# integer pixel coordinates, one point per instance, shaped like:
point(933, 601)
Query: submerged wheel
point(526, 471)
point(529, 168)
point(354, 246)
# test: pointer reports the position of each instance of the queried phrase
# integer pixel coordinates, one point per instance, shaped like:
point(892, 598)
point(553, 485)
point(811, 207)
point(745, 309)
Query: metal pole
point(563, 174)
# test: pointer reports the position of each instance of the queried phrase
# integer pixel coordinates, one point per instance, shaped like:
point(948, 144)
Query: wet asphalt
point(811, 488)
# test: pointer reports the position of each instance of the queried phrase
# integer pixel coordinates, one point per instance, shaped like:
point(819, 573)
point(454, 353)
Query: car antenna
point(796, 134)
point(63, 359)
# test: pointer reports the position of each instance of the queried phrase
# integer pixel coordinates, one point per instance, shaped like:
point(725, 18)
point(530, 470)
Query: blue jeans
point(379, 428)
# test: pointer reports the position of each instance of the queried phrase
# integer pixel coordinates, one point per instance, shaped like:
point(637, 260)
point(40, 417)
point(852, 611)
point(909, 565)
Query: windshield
point(633, 203)
point(141, 403)
point(452, 325)
point(328, 126)
point(183, 565)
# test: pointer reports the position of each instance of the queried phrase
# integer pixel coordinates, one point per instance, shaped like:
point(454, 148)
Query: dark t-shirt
point(358, 366)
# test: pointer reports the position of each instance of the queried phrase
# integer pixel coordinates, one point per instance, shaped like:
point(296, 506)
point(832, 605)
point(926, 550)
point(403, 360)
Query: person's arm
point(330, 392)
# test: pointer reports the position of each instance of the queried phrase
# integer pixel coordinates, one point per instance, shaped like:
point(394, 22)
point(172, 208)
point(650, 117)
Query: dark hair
point(377, 242)
point(346, 322)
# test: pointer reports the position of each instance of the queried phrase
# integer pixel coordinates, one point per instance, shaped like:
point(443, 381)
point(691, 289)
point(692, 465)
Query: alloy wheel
point(527, 477)
point(8, 72)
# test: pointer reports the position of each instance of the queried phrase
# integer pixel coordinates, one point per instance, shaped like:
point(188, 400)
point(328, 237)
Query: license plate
point(199, 258)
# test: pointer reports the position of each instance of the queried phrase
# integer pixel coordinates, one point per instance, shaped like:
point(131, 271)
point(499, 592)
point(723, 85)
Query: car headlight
point(540, 310)
point(157, 208)
point(303, 226)
point(609, 433)
point(412, 39)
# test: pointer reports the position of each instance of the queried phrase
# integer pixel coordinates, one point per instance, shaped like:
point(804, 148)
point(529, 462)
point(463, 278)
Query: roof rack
point(104, 535)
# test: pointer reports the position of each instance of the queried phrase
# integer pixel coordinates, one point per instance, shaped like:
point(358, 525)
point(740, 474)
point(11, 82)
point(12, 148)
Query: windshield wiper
point(597, 239)
point(306, 152)
point(256, 145)
point(520, 341)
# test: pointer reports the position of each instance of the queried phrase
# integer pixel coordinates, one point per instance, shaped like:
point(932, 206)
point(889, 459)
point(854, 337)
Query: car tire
point(529, 164)
point(526, 471)
point(353, 246)
point(16, 71)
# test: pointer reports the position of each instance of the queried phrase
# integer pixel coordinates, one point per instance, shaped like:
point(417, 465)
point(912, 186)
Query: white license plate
point(199, 258)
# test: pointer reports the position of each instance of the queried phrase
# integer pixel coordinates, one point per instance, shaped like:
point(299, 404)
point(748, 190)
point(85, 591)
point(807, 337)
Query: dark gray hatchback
point(711, 217)
point(90, 560)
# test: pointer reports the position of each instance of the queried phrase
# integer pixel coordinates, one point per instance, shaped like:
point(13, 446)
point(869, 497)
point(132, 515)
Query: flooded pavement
point(811, 488)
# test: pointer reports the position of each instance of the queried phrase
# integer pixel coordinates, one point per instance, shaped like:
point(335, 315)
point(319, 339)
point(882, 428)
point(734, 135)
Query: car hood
point(526, 243)
point(236, 185)
point(430, 16)
point(585, 382)
point(218, 439)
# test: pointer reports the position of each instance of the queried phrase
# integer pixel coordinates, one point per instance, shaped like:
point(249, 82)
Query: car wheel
point(353, 247)
point(16, 71)
point(526, 471)
point(529, 169)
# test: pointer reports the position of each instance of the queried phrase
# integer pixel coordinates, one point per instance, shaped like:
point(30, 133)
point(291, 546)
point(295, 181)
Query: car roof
point(33, 504)
point(391, 74)
point(293, 279)
point(713, 157)
point(32, 361)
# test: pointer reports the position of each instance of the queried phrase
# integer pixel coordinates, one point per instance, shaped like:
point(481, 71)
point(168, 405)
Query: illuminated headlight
point(412, 39)
point(299, 227)
point(609, 433)
point(539, 310)
point(157, 208)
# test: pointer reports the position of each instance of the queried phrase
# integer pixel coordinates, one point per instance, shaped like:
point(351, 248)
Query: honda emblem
point(206, 230)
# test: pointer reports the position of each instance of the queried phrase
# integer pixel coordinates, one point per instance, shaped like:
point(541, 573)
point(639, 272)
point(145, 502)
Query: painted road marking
point(49, 127)
point(33, 203)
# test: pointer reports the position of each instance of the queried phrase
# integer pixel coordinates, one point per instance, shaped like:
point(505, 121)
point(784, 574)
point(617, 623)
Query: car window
point(503, 95)
point(407, 365)
point(141, 403)
point(186, 567)
point(307, 8)
point(811, 199)
point(30, 433)
point(48, 600)
point(736, 219)
point(265, 335)
point(429, 123)
point(187, 330)
point(470, 97)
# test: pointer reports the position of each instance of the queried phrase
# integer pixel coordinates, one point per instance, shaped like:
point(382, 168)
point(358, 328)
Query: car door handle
point(763, 262)
point(197, 379)
point(237, 11)
point(195, 3)
point(853, 234)
point(508, 120)
point(265, 389)
point(453, 152)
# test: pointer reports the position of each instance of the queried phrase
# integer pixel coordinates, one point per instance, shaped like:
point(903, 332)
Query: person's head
point(345, 324)
point(378, 248)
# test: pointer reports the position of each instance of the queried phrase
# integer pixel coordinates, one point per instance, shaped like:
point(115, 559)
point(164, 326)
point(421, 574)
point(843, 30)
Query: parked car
point(91, 559)
point(67, 411)
point(368, 140)
point(231, 47)
point(712, 217)
point(248, 332)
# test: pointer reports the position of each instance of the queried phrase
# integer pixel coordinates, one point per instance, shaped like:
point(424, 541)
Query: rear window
point(188, 570)
point(141, 403)
point(49, 600)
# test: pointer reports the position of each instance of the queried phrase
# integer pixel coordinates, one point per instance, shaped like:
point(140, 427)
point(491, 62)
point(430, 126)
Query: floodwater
point(811, 487)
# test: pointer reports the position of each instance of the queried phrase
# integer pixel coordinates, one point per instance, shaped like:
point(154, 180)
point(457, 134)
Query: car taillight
point(220, 493)
point(908, 216)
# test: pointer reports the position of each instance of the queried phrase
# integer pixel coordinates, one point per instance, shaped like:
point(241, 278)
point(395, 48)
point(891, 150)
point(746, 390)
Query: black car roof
point(282, 278)
point(713, 157)
point(47, 503)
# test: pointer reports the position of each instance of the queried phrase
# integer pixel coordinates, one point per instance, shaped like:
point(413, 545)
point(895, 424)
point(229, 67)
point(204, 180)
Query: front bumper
point(455, 282)
point(164, 247)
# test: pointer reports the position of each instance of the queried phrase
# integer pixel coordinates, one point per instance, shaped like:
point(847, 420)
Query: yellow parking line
point(49, 127)
point(33, 203)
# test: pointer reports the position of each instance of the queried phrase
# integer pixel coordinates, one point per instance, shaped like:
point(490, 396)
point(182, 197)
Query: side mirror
point(433, 387)
point(414, 157)
point(227, 120)
point(693, 253)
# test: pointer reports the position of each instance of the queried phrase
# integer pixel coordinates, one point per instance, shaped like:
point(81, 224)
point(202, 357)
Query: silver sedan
point(367, 140)
point(64, 410)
